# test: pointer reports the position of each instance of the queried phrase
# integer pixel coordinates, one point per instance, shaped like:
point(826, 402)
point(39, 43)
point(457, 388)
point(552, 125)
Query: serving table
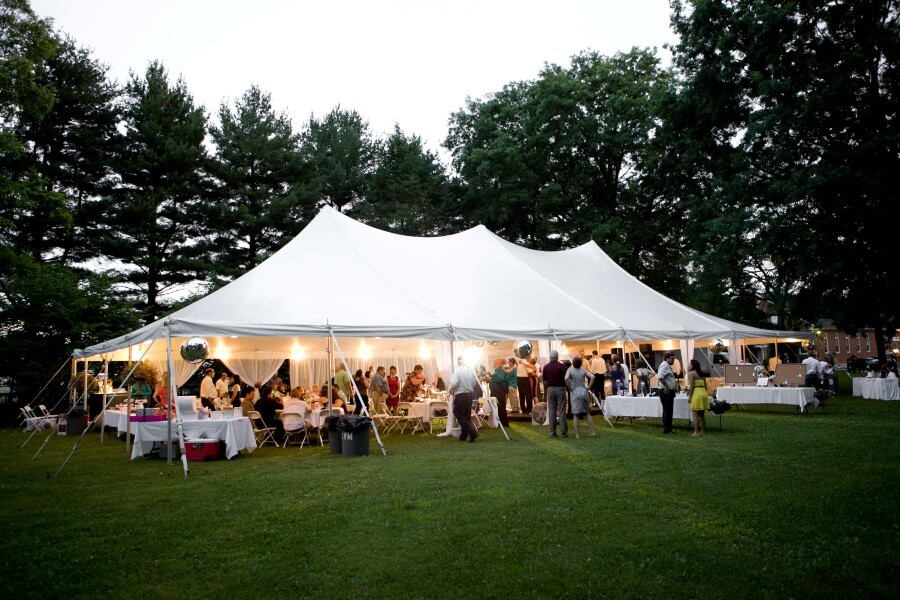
point(644, 406)
point(799, 396)
point(237, 434)
point(876, 388)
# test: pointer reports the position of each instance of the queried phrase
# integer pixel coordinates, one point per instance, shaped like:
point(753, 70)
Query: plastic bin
point(76, 421)
point(355, 435)
point(334, 434)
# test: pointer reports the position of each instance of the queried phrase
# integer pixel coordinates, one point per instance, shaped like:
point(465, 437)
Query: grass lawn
point(775, 505)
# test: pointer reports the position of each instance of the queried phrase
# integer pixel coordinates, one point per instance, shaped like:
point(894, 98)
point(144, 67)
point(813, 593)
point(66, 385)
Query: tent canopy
point(342, 277)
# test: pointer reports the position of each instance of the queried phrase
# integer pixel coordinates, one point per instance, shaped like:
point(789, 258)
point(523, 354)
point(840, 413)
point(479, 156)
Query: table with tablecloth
point(237, 434)
point(644, 406)
point(116, 419)
point(799, 396)
point(876, 388)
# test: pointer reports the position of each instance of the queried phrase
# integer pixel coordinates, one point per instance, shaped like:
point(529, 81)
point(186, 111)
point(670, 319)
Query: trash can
point(334, 434)
point(355, 435)
point(76, 421)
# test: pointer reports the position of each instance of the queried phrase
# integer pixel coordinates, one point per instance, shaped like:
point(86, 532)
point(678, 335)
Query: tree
point(806, 94)
point(409, 191)
point(157, 220)
point(338, 152)
point(561, 160)
point(258, 165)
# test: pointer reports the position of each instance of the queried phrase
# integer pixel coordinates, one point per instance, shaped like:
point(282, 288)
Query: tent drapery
point(254, 371)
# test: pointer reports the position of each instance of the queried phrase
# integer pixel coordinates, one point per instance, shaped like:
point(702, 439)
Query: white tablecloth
point(876, 388)
point(644, 406)
point(766, 395)
point(117, 419)
point(237, 433)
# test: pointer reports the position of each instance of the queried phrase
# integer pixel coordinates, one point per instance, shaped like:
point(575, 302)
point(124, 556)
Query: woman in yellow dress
point(696, 388)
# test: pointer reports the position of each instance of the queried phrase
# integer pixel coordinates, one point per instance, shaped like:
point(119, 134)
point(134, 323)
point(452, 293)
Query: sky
point(393, 61)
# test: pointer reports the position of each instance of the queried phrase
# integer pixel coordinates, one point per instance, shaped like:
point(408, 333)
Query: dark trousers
point(359, 405)
point(462, 410)
point(526, 396)
point(812, 380)
point(599, 386)
point(667, 399)
point(500, 394)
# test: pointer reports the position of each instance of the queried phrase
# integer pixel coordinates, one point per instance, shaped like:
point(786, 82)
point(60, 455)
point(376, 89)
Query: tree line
point(762, 165)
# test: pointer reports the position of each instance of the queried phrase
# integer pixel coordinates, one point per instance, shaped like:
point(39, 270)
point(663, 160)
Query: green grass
point(775, 505)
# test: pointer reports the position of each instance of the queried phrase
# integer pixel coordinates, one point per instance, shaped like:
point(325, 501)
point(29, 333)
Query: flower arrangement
point(144, 374)
point(719, 407)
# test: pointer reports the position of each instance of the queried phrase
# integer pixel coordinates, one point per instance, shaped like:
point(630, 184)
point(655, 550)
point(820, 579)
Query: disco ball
point(522, 349)
point(195, 350)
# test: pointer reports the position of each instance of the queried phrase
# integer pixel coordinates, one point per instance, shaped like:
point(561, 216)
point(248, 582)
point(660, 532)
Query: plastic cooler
point(202, 449)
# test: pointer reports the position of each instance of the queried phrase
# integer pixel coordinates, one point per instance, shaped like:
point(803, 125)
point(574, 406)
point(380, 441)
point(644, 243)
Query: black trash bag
point(354, 423)
point(332, 422)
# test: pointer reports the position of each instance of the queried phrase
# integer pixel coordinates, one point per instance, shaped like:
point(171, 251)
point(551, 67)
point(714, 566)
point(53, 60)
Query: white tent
point(343, 278)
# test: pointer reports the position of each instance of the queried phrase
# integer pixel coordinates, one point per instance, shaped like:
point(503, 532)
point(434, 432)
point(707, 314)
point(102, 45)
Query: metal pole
point(170, 365)
point(85, 384)
point(105, 386)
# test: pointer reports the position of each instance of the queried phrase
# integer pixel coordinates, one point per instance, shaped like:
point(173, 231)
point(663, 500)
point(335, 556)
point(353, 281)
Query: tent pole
point(359, 396)
point(105, 387)
point(170, 367)
point(85, 400)
point(329, 374)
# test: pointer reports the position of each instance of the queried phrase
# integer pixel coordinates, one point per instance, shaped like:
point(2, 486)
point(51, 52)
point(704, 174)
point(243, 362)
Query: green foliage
point(772, 505)
point(563, 159)
point(258, 166)
point(409, 192)
point(46, 312)
point(158, 221)
point(787, 124)
point(338, 153)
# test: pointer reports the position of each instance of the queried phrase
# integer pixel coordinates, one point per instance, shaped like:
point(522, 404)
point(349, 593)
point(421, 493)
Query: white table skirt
point(644, 406)
point(118, 420)
point(767, 395)
point(237, 433)
point(876, 388)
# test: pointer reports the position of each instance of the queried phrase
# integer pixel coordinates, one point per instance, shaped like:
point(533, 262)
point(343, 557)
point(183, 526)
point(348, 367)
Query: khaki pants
point(377, 397)
point(513, 397)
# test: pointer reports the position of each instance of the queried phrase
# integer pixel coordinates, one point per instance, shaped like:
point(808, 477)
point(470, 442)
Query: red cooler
point(202, 449)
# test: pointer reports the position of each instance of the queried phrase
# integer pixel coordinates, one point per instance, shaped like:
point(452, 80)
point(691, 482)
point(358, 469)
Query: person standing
point(393, 381)
point(461, 385)
point(616, 376)
point(813, 370)
point(555, 386)
point(598, 368)
point(500, 389)
point(342, 380)
point(208, 392)
point(579, 397)
point(523, 385)
point(222, 385)
point(668, 387)
point(512, 379)
point(362, 384)
point(696, 389)
point(378, 389)
point(236, 391)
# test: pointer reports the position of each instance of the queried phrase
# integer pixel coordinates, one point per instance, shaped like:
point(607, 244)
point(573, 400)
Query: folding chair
point(46, 413)
point(32, 421)
point(264, 434)
point(438, 411)
point(383, 418)
point(406, 418)
point(295, 425)
point(324, 413)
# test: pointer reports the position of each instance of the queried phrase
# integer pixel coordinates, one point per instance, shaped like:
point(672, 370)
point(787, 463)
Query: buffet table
point(876, 388)
point(118, 420)
point(798, 397)
point(237, 433)
point(644, 406)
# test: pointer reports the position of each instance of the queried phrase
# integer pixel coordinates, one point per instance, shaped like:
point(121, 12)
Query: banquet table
point(118, 420)
point(237, 433)
point(644, 406)
point(876, 388)
point(800, 396)
point(422, 410)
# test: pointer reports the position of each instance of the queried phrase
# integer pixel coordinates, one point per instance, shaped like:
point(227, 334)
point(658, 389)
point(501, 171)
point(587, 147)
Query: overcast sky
point(393, 61)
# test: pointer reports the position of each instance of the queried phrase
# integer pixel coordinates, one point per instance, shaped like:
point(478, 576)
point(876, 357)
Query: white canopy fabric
point(343, 277)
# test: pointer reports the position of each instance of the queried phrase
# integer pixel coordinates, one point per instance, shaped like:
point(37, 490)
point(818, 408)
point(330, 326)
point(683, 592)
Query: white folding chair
point(438, 411)
point(32, 421)
point(324, 413)
point(407, 418)
point(295, 425)
point(265, 434)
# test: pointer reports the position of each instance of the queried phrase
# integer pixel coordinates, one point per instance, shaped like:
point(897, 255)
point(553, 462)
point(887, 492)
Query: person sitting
point(266, 406)
point(412, 387)
point(338, 399)
point(296, 405)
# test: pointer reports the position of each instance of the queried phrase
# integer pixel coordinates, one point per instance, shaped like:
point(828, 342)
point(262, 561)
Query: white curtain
point(183, 370)
point(313, 369)
point(687, 353)
point(260, 368)
point(444, 361)
point(544, 351)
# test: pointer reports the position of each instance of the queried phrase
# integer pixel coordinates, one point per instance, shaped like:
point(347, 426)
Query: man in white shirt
point(598, 368)
point(668, 387)
point(208, 393)
point(813, 370)
point(461, 385)
point(222, 385)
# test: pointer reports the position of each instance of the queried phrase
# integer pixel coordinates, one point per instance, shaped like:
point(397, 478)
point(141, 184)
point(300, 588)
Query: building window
point(858, 343)
point(837, 343)
point(847, 339)
point(825, 339)
point(868, 342)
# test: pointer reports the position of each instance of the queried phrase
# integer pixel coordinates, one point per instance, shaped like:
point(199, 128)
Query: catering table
point(799, 397)
point(644, 406)
point(237, 433)
point(876, 388)
point(116, 419)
